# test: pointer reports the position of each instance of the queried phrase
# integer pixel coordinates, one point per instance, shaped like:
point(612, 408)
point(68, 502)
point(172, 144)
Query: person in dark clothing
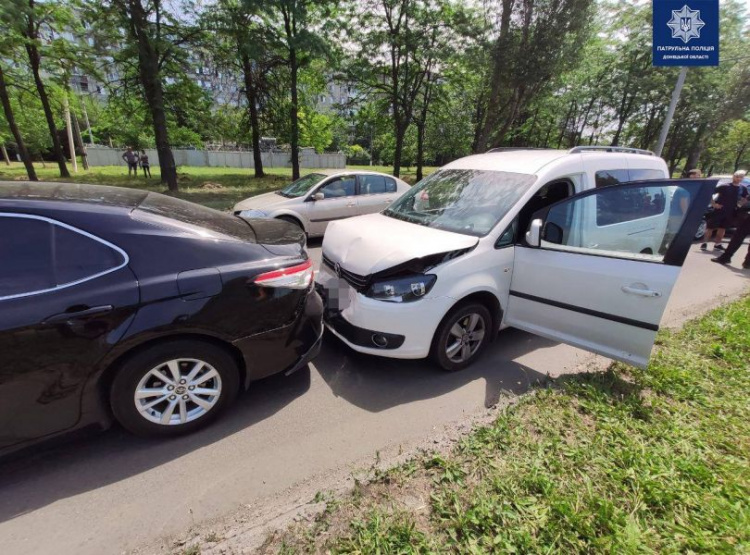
point(742, 231)
point(728, 197)
point(131, 159)
point(145, 164)
point(677, 210)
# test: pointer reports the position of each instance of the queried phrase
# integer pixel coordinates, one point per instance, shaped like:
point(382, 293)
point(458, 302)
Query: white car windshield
point(471, 202)
point(301, 186)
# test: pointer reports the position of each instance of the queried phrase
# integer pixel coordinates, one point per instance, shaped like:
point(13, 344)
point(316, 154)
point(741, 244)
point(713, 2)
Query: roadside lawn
point(218, 188)
point(627, 461)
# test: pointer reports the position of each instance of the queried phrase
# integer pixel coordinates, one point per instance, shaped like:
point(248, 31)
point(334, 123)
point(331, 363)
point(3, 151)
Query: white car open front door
point(576, 282)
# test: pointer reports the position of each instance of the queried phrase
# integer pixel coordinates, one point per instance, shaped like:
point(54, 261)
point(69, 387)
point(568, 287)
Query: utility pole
point(670, 112)
point(88, 125)
point(69, 126)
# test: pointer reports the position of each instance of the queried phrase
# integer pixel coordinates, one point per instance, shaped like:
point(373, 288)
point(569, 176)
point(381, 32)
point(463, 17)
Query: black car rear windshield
point(196, 217)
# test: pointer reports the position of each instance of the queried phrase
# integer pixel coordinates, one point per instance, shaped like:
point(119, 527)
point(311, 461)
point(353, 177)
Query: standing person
point(695, 173)
point(131, 159)
point(742, 231)
point(144, 164)
point(677, 209)
point(727, 198)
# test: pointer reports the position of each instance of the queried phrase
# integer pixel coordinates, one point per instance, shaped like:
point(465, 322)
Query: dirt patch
point(211, 186)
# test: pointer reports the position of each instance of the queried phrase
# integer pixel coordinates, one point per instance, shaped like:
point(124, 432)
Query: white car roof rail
point(624, 149)
point(512, 148)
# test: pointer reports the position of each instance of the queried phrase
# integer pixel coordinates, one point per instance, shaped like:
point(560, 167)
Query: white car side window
point(376, 185)
point(623, 222)
point(339, 187)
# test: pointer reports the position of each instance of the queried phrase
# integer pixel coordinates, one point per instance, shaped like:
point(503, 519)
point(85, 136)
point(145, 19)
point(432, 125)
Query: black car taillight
point(293, 277)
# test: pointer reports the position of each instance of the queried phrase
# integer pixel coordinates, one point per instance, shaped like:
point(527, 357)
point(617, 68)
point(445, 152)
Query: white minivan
point(553, 242)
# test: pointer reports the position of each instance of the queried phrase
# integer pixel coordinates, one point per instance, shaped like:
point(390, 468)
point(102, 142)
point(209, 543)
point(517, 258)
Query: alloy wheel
point(178, 391)
point(465, 337)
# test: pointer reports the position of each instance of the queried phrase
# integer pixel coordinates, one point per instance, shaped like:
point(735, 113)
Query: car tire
point(173, 388)
point(453, 353)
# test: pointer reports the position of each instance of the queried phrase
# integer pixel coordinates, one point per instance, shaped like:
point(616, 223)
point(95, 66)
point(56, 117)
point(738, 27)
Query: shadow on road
point(376, 384)
point(37, 479)
point(47, 474)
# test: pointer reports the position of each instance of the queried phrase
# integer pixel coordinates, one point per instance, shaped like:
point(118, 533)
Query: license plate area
point(337, 294)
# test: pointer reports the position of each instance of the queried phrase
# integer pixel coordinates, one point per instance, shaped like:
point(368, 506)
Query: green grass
point(626, 461)
point(196, 184)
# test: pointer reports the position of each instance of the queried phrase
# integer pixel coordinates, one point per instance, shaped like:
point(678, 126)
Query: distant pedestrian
point(727, 198)
point(131, 159)
point(144, 164)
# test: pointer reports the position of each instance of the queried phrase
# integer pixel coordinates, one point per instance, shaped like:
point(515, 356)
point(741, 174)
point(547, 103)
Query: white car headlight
point(252, 213)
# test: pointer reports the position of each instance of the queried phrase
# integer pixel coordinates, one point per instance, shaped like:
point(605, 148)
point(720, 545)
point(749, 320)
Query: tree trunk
point(167, 166)
point(420, 150)
point(647, 135)
point(565, 125)
point(290, 26)
point(579, 135)
point(738, 158)
point(625, 107)
point(250, 95)
point(550, 128)
point(79, 140)
point(150, 78)
point(530, 137)
point(400, 133)
point(696, 149)
point(422, 122)
point(478, 123)
point(294, 114)
point(499, 70)
point(10, 118)
point(35, 62)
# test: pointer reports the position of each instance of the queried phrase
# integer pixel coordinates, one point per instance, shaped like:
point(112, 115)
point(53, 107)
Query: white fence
point(103, 156)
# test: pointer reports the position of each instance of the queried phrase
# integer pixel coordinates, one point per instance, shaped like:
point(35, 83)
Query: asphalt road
point(113, 492)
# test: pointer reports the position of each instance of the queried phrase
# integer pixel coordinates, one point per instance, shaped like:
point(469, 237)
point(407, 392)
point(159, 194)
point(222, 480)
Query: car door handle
point(74, 314)
point(351, 204)
point(640, 292)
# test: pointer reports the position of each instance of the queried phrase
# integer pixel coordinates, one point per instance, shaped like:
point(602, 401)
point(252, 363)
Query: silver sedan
point(323, 196)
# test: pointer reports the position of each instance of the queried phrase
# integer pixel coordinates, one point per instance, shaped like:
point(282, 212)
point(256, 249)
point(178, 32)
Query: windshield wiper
point(403, 217)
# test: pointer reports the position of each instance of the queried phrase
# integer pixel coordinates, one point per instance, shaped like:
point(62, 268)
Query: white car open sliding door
point(577, 281)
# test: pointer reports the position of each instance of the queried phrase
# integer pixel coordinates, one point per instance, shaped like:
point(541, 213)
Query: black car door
point(65, 299)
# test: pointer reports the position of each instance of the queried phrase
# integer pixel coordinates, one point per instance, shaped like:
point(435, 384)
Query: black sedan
point(138, 306)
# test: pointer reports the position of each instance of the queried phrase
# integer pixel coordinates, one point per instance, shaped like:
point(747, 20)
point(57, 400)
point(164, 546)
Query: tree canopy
point(408, 82)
